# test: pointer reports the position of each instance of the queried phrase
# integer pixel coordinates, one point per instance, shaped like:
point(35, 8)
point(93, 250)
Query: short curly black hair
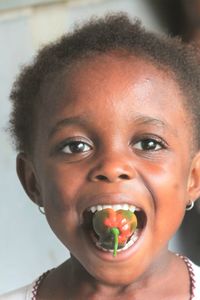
point(101, 35)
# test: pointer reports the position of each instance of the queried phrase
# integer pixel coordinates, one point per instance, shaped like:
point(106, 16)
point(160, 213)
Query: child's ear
point(28, 178)
point(193, 186)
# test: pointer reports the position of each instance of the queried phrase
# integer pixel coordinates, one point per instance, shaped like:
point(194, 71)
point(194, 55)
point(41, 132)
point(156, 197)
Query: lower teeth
point(133, 239)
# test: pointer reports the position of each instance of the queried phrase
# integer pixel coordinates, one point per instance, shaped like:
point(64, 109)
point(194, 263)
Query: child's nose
point(113, 169)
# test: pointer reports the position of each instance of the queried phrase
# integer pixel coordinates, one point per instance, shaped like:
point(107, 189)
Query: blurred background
point(27, 245)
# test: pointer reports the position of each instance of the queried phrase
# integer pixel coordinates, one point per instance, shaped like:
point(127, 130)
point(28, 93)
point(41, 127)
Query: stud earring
point(190, 205)
point(42, 211)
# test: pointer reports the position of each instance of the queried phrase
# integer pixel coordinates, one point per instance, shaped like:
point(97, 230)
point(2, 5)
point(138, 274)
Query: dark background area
point(170, 14)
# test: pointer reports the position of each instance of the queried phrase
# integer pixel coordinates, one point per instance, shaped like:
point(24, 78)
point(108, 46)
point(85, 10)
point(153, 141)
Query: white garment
point(25, 293)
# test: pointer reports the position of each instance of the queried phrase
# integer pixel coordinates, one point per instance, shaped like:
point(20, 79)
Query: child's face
point(132, 146)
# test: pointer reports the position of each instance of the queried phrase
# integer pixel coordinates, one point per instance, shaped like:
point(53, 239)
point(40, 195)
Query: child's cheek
point(169, 174)
point(61, 188)
point(59, 196)
point(167, 182)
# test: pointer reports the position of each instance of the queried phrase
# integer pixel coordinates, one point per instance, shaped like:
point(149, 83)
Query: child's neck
point(159, 282)
point(155, 283)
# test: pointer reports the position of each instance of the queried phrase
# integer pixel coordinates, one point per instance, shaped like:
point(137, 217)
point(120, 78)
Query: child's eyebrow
point(139, 120)
point(147, 120)
point(77, 120)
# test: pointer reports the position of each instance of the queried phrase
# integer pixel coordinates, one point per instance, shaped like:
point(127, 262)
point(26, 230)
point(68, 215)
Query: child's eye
point(149, 144)
point(74, 147)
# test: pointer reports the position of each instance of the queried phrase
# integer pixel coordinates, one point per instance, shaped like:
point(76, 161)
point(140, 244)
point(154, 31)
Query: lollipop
point(114, 228)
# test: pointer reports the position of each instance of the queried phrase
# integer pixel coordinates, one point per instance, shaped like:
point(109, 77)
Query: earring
point(42, 211)
point(190, 205)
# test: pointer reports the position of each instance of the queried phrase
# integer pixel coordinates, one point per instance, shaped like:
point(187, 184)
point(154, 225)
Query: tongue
point(114, 228)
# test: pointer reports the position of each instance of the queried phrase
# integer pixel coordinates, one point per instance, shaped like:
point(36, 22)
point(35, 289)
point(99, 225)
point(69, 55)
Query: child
point(106, 123)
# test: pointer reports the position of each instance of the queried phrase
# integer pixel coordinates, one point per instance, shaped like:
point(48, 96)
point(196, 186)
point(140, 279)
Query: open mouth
point(128, 233)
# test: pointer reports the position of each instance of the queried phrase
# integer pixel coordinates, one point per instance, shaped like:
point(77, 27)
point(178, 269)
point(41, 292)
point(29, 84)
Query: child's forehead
point(112, 76)
point(113, 72)
point(117, 82)
point(121, 64)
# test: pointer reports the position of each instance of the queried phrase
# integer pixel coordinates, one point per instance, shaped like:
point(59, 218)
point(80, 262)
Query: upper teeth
point(115, 207)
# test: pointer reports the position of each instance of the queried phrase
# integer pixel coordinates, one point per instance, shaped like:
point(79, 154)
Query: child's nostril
point(102, 177)
point(105, 178)
point(124, 176)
